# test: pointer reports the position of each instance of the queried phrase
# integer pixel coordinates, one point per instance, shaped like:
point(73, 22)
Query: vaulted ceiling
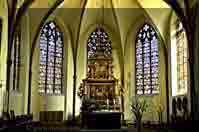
point(81, 14)
point(113, 13)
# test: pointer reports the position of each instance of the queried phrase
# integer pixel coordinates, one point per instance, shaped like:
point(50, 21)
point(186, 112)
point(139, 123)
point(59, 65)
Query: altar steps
point(104, 130)
point(81, 130)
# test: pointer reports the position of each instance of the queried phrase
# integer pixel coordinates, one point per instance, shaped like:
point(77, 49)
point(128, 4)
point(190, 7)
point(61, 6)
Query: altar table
point(104, 120)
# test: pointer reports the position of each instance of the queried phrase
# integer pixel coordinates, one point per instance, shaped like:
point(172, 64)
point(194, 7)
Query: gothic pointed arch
point(51, 59)
point(99, 42)
point(147, 61)
point(16, 59)
point(179, 60)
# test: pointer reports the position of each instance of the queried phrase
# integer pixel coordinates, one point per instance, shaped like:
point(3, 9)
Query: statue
point(100, 70)
point(99, 93)
point(81, 91)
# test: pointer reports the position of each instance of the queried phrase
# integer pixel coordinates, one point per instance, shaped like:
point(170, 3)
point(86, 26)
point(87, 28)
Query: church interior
point(99, 64)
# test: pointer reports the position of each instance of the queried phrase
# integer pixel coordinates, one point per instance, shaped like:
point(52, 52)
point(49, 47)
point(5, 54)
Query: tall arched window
point(16, 59)
point(147, 61)
point(179, 59)
point(0, 33)
point(51, 59)
point(99, 36)
point(182, 58)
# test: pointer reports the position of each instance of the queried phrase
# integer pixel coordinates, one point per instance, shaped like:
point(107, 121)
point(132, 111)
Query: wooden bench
point(51, 116)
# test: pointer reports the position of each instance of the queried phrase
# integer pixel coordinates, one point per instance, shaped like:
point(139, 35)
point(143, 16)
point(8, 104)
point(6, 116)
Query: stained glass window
point(51, 59)
point(99, 40)
point(147, 61)
point(0, 33)
point(182, 58)
point(16, 59)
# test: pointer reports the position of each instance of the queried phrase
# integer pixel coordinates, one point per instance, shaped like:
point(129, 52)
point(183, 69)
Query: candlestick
point(114, 103)
point(107, 102)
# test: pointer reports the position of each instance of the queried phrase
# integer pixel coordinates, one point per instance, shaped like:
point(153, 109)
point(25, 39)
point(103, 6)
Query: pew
point(14, 123)
point(51, 116)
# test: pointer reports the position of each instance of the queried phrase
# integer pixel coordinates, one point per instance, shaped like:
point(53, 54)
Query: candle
point(107, 101)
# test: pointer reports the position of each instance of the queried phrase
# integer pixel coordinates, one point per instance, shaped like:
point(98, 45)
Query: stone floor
point(76, 129)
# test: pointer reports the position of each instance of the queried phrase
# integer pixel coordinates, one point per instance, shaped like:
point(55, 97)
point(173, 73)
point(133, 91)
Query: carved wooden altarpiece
point(100, 84)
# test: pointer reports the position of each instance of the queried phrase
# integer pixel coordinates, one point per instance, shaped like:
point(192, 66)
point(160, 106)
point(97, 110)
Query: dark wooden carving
point(100, 83)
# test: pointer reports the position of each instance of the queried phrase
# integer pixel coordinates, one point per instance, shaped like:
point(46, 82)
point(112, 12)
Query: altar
point(100, 85)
